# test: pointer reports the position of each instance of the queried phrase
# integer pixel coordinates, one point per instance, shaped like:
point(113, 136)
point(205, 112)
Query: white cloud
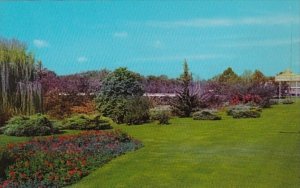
point(261, 43)
point(225, 22)
point(82, 59)
point(179, 58)
point(40, 43)
point(122, 34)
point(158, 44)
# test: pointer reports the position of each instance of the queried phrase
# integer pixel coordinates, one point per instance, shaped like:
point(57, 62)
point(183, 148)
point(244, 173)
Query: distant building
point(292, 79)
point(160, 94)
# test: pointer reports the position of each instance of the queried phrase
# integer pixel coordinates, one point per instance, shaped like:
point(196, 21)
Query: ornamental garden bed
point(57, 161)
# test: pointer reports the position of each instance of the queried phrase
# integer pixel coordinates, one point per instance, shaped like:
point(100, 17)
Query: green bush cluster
point(274, 101)
point(86, 122)
point(287, 101)
point(136, 111)
point(2, 130)
point(162, 115)
point(35, 125)
point(206, 115)
point(244, 111)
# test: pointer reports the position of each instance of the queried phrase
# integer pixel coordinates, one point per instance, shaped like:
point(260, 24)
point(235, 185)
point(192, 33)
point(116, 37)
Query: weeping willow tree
point(20, 92)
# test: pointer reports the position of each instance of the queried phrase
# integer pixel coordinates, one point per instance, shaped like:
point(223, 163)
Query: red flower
point(72, 172)
point(12, 173)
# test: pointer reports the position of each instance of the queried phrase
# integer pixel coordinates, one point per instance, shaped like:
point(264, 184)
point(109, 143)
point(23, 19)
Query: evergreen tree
point(185, 102)
point(121, 97)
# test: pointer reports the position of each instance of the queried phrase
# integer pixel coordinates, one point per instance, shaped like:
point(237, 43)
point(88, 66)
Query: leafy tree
point(258, 77)
point(185, 101)
point(117, 92)
point(160, 84)
point(228, 76)
point(246, 77)
point(20, 93)
point(64, 95)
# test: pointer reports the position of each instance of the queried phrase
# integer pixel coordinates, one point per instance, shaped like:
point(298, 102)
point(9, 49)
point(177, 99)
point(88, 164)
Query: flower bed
point(62, 160)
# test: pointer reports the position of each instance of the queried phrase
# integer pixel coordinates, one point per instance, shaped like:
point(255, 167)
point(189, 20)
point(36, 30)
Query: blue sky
point(154, 37)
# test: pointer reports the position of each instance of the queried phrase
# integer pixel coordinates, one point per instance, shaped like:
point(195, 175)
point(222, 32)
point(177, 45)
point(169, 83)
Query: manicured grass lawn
point(263, 152)
point(4, 140)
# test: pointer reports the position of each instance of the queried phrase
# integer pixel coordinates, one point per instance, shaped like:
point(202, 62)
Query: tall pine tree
point(185, 102)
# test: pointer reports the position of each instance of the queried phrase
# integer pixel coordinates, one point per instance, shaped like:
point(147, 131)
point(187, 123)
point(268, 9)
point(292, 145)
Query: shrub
point(206, 115)
point(137, 110)
point(287, 101)
point(35, 125)
point(86, 122)
point(246, 114)
point(162, 115)
point(63, 160)
point(265, 103)
point(274, 101)
point(2, 130)
point(244, 111)
point(242, 107)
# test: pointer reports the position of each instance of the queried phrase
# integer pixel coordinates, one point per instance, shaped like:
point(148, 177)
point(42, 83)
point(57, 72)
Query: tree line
point(27, 87)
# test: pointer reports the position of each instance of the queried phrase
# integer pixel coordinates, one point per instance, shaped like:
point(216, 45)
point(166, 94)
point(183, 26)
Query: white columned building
point(292, 79)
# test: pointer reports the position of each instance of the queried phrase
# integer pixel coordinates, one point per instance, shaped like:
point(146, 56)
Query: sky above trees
point(155, 37)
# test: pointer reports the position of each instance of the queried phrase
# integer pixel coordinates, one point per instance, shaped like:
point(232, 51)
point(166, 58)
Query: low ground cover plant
point(206, 115)
point(35, 125)
point(62, 160)
point(244, 111)
point(86, 122)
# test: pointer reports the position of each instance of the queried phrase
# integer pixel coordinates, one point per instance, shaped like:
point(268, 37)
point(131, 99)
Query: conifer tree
point(185, 102)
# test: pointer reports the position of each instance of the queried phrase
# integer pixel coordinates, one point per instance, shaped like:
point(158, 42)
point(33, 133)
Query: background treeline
point(27, 87)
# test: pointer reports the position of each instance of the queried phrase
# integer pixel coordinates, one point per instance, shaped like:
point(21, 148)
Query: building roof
point(160, 94)
point(287, 76)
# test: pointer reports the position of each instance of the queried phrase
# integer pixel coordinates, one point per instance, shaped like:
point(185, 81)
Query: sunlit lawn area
point(4, 140)
point(261, 152)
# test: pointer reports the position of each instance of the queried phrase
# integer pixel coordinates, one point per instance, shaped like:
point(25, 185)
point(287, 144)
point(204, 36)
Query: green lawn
point(262, 152)
point(4, 140)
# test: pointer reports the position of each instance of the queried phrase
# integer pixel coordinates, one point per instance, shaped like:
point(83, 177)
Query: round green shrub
point(136, 111)
point(244, 111)
point(161, 115)
point(287, 101)
point(206, 115)
point(35, 125)
point(246, 114)
point(86, 122)
point(274, 101)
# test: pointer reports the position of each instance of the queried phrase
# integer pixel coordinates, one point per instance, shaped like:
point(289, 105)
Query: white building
point(292, 79)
